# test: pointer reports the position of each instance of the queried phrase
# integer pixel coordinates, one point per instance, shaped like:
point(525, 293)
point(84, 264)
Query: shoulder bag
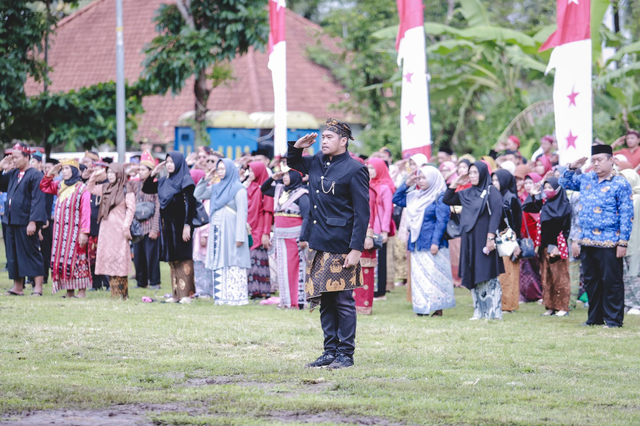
point(454, 229)
point(136, 231)
point(145, 210)
point(527, 247)
point(506, 241)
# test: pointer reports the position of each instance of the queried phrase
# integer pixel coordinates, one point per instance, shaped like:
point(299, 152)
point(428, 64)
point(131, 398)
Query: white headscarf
point(419, 200)
point(420, 160)
point(509, 166)
point(633, 250)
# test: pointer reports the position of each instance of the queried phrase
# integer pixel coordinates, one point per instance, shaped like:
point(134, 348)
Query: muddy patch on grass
point(328, 417)
point(118, 415)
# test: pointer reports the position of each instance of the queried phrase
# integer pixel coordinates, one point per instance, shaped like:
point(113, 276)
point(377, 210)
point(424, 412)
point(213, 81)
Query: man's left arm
point(624, 202)
point(360, 198)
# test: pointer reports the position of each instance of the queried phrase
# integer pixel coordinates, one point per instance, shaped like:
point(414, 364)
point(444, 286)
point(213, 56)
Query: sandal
point(12, 293)
point(36, 294)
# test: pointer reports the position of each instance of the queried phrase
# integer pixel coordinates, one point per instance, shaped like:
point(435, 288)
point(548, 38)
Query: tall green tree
point(78, 119)
point(198, 38)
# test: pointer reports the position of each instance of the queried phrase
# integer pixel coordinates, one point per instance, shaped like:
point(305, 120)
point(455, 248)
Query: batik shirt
point(606, 214)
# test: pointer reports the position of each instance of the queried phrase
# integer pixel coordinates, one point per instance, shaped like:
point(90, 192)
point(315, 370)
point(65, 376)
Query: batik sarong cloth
point(431, 282)
point(325, 273)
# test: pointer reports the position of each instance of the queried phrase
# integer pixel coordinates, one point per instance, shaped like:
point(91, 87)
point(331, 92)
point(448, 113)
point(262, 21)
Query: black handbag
point(527, 248)
point(202, 217)
point(145, 210)
point(454, 229)
point(377, 241)
point(136, 231)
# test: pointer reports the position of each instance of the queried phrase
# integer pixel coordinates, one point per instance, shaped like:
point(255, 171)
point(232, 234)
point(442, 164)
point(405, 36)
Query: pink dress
point(114, 255)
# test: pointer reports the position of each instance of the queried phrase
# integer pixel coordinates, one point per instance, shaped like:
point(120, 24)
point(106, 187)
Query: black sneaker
point(341, 361)
point(324, 360)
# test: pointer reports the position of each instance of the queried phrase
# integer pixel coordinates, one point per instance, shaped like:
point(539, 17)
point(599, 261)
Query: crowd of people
point(512, 230)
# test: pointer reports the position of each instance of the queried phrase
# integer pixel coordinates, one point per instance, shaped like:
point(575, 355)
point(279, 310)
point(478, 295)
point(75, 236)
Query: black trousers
point(146, 258)
point(604, 285)
point(338, 318)
point(23, 253)
point(4, 238)
point(45, 247)
point(382, 272)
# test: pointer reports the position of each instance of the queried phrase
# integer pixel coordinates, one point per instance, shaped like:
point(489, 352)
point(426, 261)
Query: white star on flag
point(574, 1)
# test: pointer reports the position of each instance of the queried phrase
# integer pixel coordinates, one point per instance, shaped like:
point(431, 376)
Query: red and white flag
point(415, 124)
point(571, 58)
point(278, 67)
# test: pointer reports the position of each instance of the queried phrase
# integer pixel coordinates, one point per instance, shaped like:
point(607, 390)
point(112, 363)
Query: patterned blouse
point(606, 213)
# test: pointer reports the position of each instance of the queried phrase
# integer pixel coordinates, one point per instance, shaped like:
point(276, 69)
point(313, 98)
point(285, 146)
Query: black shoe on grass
point(341, 361)
point(324, 360)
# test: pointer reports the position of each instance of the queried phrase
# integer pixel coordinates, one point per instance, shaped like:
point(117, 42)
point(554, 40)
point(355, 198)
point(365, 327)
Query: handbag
point(377, 242)
point(202, 217)
point(506, 241)
point(454, 229)
point(527, 248)
point(137, 234)
point(145, 210)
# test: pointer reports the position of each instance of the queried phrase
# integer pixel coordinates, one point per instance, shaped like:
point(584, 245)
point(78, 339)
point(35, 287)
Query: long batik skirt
point(510, 284)
point(431, 282)
point(556, 284)
point(487, 300)
point(325, 273)
point(258, 276)
point(400, 259)
point(291, 264)
point(119, 287)
point(530, 281)
point(230, 286)
point(364, 295)
point(182, 279)
point(203, 278)
point(631, 287)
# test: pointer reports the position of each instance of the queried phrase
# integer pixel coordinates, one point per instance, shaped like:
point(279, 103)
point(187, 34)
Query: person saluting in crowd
point(606, 219)
point(70, 261)
point(25, 213)
point(337, 227)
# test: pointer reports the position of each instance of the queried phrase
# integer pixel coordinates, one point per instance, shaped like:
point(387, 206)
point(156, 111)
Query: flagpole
point(120, 105)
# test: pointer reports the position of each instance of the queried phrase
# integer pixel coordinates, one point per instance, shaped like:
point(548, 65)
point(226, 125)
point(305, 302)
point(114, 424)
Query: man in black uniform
point(25, 213)
point(337, 226)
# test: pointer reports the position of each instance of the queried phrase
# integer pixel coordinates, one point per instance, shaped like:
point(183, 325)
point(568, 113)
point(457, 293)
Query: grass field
point(98, 361)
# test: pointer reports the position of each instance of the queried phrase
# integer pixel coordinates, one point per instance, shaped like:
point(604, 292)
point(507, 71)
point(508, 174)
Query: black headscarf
point(508, 187)
point(557, 207)
point(295, 181)
point(176, 182)
point(75, 176)
point(475, 199)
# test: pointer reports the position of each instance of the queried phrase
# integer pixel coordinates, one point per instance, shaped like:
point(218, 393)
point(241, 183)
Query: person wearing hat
point(336, 230)
point(70, 258)
point(632, 151)
point(444, 154)
point(24, 214)
point(146, 252)
point(606, 220)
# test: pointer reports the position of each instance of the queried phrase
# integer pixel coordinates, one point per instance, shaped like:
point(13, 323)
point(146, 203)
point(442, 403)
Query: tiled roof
point(82, 53)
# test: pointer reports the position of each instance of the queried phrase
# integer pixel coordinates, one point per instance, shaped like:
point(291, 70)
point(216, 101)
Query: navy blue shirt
point(339, 200)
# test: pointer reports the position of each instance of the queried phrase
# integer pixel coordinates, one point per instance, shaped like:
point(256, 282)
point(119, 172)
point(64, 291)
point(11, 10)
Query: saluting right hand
point(157, 169)
point(306, 141)
point(578, 163)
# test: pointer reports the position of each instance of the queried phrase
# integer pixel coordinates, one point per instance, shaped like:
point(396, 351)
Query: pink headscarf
point(382, 175)
point(196, 175)
point(451, 166)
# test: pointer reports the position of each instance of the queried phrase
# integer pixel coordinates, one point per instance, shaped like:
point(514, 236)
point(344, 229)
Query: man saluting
point(336, 229)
